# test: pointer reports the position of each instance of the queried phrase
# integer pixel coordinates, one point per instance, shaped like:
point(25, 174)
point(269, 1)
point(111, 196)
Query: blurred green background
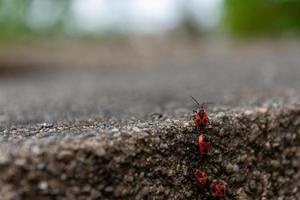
point(15, 18)
point(103, 18)
point(262, 17)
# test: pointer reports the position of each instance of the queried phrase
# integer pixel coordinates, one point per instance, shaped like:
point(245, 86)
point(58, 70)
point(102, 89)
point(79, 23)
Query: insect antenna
point(198, 104)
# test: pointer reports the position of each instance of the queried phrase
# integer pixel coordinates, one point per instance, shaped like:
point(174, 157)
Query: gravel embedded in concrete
point(257, 154)
point(126, 132)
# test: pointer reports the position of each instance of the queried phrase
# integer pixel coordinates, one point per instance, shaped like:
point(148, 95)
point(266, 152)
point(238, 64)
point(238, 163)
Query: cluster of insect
point(217, 189)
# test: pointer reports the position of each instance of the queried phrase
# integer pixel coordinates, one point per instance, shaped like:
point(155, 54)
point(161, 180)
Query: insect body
point(202, 178)
point(200, 118)
point(219, 189)
point(204, 146)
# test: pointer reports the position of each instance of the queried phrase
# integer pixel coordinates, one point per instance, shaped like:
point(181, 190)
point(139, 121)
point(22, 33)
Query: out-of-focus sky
point(146, 16)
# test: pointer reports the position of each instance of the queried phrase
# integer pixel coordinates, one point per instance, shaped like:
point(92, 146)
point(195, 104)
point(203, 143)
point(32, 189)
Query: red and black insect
point(203, 145)
point(219, 189)
point(202, 178)
point(200, 117)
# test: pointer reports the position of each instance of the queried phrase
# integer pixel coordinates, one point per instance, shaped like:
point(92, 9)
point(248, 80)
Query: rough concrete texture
point(256, 152)
point(128, 134)
point(231, 74)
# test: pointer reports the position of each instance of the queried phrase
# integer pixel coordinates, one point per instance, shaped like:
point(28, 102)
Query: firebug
point(202, 177)
point(219, 189)
point(203, 145)
point(200, 117)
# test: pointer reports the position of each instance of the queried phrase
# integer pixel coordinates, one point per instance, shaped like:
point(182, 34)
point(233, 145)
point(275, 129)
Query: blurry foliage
point(245, 18)
point(262, 17)
point(189, 25)
point(13, 16)
point(16, 21)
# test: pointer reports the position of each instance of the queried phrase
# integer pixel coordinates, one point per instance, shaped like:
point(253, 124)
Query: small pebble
point(43, 185)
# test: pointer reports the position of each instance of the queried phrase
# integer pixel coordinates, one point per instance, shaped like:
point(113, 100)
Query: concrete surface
point(125, 133)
